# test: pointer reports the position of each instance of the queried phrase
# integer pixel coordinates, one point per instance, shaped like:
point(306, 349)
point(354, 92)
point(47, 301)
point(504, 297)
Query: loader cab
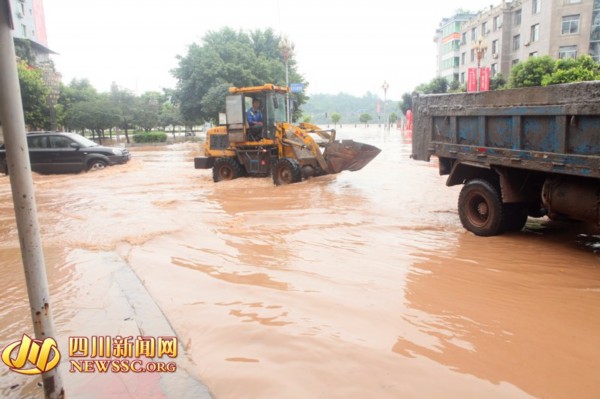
point(272, 107)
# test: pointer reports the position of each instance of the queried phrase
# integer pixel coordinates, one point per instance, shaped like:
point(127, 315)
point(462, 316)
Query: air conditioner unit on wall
point(495, 55)
point(526, 44)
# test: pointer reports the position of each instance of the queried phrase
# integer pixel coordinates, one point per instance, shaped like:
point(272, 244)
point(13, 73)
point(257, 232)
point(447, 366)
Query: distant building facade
point(448, 37)
point(30, 25)
point(514, 31)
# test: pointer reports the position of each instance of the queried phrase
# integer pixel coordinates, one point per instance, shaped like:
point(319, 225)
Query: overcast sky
point(341, 46)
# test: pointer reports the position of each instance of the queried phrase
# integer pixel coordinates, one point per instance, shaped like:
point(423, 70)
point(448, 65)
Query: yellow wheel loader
point(276, 147)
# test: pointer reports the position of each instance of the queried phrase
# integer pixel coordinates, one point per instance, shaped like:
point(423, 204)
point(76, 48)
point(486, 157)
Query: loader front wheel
point(226, 169)
point(286, 171)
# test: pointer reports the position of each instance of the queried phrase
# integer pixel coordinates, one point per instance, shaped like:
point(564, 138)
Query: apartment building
point(448, 39)
point(514, 31)
point(30, 25)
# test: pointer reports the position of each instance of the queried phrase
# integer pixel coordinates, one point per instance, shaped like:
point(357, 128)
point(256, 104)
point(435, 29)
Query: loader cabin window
point(255, 120)
point(272, 110)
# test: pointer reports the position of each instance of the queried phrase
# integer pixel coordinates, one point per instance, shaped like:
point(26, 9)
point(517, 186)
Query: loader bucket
point(348, 155)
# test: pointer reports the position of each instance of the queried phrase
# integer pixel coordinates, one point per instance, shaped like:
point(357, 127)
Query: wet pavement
point(362, 284)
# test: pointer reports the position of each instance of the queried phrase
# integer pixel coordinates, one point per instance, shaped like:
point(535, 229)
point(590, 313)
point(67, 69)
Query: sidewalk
point(109, 299)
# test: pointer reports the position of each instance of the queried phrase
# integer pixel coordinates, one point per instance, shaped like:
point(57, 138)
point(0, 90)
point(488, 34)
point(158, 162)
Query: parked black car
point(58, 152)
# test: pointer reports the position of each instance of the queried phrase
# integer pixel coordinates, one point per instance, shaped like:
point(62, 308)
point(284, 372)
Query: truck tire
point(480, 208)
point(515, 216)
point(226, 169)
point(286, 171)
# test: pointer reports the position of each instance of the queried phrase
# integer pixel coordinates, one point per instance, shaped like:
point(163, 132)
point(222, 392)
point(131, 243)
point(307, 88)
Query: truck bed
point(552, 129)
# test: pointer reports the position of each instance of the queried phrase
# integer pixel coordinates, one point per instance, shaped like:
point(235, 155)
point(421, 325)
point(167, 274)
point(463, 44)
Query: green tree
point(582, 68)
point(306, 119)
point(23, 51)
point(335, 118)
point(531, 72)
point(228, 58)
point(406, 103)
point(393, 118)
point(170, 116)
point(436, 85)
point(147, 111)
point(497, 82)
point(214, 101)
point(34, 95)
point(127, 105)
point(97, 114)
point(365, 118)
point(77, 91)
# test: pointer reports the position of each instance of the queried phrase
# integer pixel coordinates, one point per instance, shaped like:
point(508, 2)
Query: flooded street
point(357, 285)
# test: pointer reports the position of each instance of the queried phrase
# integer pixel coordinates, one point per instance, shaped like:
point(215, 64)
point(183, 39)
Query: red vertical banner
point(378, 106)
point(472, 80)
point(484, 79)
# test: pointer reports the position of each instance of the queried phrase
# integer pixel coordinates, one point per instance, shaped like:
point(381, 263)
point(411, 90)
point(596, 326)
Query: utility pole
point(287, 50)
point(385, 87)
point(17, 154)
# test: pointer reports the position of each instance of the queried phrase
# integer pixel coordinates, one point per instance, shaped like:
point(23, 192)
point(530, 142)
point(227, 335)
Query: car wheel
point(96, 164)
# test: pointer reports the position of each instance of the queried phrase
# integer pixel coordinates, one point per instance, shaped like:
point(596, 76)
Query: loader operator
point(255, 120)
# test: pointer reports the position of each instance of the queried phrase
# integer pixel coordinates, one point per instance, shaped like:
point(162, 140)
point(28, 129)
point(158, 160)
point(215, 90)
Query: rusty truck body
point(518, 153)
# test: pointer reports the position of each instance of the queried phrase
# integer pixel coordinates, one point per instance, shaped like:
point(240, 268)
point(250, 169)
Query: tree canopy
point(34, 94)
point(223, 59)
point(531, 72)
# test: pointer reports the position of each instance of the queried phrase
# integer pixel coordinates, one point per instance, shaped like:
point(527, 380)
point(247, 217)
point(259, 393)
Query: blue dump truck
point(518, 153)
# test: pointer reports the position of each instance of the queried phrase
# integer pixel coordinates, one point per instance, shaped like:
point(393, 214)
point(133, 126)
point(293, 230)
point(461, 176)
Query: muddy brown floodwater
point(358, 285)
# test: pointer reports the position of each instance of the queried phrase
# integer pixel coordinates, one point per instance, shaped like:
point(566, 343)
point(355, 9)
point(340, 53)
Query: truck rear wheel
point(226, 169)
point(480, 208)
point(286, 171)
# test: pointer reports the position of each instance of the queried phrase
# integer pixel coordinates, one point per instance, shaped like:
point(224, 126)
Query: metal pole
point(17, 153)
point(287, 95)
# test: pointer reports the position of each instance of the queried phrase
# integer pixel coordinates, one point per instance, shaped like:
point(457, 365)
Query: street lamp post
point(287, 50)
point(385, 87)
point(479, 47)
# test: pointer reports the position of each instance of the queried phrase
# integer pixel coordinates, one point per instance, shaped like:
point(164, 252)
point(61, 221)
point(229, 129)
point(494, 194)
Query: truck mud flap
point(348, 155)
point(203, 162)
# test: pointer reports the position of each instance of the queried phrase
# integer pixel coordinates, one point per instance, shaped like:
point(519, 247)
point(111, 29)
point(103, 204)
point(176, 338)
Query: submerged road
point(362, 284)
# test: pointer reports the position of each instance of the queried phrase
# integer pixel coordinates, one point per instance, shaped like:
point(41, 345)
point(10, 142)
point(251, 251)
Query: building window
point(472, 55)
point(536, 6)
point(572, 1)
point(462, 77)
point(473, 34)
point(516, 42)
point(494, 70)
point(567, 52)
point(495, 46)
point(24, 30)
point(484, 29)
point(497, 24)
point(595, 35)
point(463, 58)
point(463, 38)
point(534, 54)
point(515, 62)
point(535, 33)
point(570, 24)
point(517, 17)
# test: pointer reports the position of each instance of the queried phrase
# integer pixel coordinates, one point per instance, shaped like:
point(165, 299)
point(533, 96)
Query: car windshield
point(82, 140)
